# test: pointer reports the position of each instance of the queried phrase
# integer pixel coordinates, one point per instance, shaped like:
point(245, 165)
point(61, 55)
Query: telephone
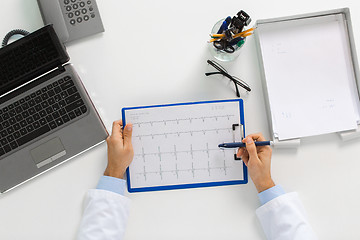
point(71, 19)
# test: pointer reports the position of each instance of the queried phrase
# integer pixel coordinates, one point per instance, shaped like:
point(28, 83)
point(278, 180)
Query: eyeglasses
point(237, 81)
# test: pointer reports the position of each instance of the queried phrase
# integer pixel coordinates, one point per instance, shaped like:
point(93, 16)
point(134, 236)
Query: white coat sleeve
point(284, 218)
point(105, 216)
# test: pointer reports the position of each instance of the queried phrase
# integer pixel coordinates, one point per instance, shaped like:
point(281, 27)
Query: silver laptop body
point(74, 128)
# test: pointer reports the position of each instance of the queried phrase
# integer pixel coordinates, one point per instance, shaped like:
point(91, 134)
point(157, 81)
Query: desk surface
point(155, 52)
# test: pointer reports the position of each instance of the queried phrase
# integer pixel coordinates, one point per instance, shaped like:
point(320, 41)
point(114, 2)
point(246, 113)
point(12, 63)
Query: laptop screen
point(30, 57)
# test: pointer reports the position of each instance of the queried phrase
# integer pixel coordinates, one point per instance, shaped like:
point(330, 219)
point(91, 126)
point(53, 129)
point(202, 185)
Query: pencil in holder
point(220, 52)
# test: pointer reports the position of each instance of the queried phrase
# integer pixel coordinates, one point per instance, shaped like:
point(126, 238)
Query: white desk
point(155, 52)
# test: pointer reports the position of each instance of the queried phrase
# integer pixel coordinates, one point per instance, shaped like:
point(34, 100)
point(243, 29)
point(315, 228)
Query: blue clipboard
point(192, 185)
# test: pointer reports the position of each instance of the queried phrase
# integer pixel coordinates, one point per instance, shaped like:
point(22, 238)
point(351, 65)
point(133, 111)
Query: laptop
point(46, 115)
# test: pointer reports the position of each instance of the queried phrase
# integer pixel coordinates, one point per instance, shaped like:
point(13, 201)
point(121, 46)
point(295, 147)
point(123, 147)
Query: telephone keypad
point(78, 11)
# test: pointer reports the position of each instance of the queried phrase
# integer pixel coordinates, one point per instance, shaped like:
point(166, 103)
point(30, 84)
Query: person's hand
point(120, 150)
point(258, 161)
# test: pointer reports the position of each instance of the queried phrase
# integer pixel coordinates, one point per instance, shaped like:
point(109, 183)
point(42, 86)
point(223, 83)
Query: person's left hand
point(120, 150)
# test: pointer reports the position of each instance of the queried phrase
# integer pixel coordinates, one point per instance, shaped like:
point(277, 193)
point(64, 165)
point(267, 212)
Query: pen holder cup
point(221, 54)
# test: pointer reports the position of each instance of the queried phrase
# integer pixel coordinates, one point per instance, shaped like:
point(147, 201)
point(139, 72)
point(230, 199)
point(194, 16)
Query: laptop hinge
point(61, 68)
point(34, 82)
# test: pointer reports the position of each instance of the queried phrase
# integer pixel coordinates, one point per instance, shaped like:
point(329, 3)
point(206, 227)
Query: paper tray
point(293, 143)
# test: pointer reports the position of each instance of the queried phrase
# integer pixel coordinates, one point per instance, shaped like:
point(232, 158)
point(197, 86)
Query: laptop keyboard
point(38, 113)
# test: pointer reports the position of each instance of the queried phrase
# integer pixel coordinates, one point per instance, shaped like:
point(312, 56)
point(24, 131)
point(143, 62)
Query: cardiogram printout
point(176, 145)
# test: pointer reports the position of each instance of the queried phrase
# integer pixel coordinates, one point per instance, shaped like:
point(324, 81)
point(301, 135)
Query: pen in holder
point(228, 36)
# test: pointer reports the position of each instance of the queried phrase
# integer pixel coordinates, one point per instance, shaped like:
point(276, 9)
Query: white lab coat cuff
point(105, 216)
point(284, 218)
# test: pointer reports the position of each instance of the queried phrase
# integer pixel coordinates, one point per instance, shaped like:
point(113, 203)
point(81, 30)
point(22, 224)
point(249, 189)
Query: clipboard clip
point(234, 127)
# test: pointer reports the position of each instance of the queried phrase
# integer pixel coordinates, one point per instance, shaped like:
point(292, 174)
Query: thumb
point(127, 133)
point(251, 148)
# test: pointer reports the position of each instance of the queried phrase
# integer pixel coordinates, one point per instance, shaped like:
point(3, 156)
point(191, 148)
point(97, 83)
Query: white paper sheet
point(179, 144)
point(309, 76)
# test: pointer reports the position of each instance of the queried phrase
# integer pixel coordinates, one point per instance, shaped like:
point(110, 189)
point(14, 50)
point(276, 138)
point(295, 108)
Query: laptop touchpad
point(48, 152)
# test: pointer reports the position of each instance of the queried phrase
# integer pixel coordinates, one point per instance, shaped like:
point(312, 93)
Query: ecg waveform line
point(173, 152)
point(183, 119)
point(176, 170)
point(182, 132)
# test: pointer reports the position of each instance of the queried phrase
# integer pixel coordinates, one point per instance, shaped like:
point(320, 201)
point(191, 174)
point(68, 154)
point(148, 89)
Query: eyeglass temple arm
point(212, 73)
point(239, 83)
point(229, 76)
point(233, 80)
point(214, 65)
point(237, 89)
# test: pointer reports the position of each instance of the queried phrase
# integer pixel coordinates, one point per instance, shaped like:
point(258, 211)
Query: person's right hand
point(258, 161)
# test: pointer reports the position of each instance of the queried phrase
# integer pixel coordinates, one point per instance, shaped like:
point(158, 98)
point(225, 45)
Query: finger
point(127, 135)
point(245, 157)
point(257, 137)
point(262, 149)
point(245, 161)
point(240, 152)
point(245, 154)
point(117, 129)
point(250, 147)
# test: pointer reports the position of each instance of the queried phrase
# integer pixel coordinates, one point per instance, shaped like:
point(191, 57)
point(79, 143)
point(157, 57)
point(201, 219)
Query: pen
point(224, 25)
point(240, 144)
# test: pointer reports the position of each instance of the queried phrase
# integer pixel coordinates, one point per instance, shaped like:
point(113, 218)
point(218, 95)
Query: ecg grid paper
point(178, 144)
